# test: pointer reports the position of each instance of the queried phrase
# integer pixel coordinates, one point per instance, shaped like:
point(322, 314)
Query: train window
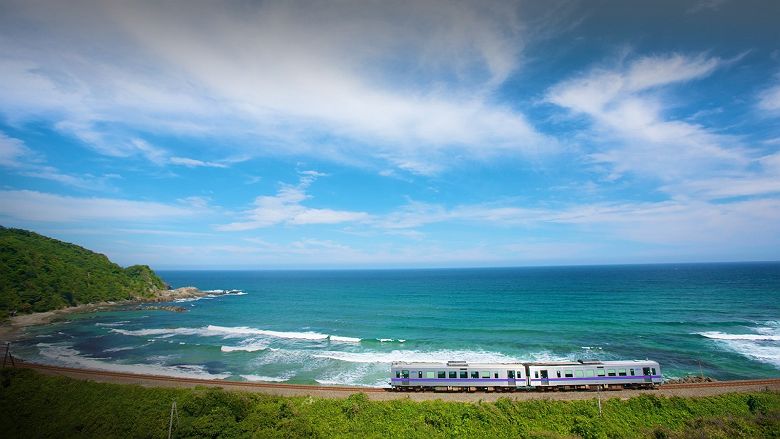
point(430, 374)
point(568, 373)
point(510, 374)
point(419, 374)
point(519, 374)
point(611, 372)
point(442, 374)
point(405, 373)
point(474, 374)
point(495, 375)
point(653, 371)
point(589, 373)
point(485, 374)
point(631, 371)
point(558, 373)
point(600, 372)
point(453, 374)
point(397, 374)
point(645, 371)
point(578, 373)
point(464, 374)
point(536, 374)
point(622, 372)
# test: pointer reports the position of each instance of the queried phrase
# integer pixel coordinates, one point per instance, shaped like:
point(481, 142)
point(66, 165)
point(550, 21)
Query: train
point(559, 375)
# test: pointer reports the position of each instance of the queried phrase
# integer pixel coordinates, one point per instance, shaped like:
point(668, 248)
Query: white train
point(565, 375)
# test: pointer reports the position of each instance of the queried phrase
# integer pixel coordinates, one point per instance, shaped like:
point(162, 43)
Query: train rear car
point(590, 374)
point(458, 376)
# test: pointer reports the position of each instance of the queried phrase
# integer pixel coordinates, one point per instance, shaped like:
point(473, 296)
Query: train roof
point(519, 363)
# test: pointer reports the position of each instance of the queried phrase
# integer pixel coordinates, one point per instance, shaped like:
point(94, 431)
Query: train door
point(545, 378)
point(510, 375)
point(646, 373)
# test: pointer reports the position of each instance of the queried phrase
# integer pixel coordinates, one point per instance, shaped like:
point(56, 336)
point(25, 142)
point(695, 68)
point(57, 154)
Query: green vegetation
point(40, 274)
point(34, 405)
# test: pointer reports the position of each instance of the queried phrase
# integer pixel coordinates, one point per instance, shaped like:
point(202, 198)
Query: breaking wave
point(68, 356)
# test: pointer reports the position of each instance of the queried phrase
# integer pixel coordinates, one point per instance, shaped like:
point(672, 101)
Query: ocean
point(345, 327)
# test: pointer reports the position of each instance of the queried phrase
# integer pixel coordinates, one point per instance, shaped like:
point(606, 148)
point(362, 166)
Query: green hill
point(40, 274)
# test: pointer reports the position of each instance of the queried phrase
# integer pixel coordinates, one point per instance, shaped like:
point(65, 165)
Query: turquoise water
point(345, 327)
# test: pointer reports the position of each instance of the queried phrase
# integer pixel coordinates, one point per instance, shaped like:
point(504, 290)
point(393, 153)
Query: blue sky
point(393, 134)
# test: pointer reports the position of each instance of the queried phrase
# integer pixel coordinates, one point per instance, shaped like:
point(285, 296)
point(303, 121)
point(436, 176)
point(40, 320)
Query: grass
point(36, 405)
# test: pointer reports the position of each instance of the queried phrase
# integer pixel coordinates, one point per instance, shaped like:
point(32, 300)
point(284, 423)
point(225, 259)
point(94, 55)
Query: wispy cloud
point(632, 130)
point(286, 207)
point(25, 205)
point(769, 99)
point(16, 157)
point(293, 72)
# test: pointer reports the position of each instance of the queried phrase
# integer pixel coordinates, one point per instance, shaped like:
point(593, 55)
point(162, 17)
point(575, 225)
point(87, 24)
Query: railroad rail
point(769, 382)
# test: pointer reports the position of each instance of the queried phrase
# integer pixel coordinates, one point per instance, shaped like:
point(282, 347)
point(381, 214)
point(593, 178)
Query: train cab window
point(419, 374)
point(485, 374)
point(600, 372)
point(611, 372)
point(441, 374)
point(558, 373)
point(589, 373)
point(536, 374)
point(398, 374)
point(622, 372)
point(464, 374)
point(430, 374)
point(568, 373)
point(453, 374)
point(645, 371)
point(405, 373)
point(631, 371)
point(653, 371)
point(578, 373)
point(474, 374)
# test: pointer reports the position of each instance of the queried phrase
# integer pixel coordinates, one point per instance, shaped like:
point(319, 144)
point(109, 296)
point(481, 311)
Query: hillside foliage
point(34, 405)
point(38, 273)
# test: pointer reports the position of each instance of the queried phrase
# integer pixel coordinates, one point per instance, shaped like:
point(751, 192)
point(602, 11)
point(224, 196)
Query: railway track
point(770, 382)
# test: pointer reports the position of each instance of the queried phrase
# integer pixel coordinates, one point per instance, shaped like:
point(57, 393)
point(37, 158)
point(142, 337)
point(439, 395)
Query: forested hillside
point(40, 274)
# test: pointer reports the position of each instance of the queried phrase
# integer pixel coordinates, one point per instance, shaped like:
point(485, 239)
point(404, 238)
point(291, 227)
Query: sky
point(384, 134)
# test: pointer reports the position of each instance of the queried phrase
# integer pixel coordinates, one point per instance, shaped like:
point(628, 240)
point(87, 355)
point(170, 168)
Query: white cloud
point(284, 72)
point(286, 208)
point(769, 99)
point(18, 158)
point(25, 205)
point(628, 115)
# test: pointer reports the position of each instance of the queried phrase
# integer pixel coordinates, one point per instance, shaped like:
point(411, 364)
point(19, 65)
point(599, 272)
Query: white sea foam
point(212, 294)
point(340, 339)
point(762, 346)
point(252, 346)
point(390, 340)
point(67, 355)
point(440, 356)
point(284, 377)
point(235, 332)
point(754, 337)
point(123, 348)
point(112, 324)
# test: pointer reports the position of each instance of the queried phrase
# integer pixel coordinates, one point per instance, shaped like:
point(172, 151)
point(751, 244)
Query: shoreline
point(11, 329)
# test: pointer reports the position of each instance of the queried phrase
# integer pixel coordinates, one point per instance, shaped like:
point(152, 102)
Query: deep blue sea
point(345, 327)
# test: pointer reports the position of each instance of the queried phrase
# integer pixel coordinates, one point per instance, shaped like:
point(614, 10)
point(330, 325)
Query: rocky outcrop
point(178, 293)
point(162, 308)
point(690, 379)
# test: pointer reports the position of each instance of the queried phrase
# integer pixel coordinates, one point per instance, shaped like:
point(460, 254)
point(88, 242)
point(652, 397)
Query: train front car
point(458, 376)
point(592, 374)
